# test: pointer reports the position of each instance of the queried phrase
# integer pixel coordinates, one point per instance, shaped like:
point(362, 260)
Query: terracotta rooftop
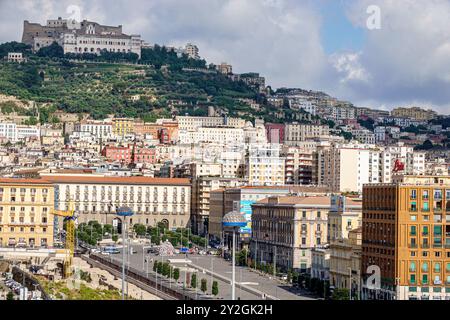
point(118, 180)
point(23, 181)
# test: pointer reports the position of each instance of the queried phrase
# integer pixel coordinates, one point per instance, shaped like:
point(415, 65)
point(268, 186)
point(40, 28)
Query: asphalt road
point(220, 269)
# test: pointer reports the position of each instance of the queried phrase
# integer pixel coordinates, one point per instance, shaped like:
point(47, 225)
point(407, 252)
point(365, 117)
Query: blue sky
point(311, 44)
point(338, 33)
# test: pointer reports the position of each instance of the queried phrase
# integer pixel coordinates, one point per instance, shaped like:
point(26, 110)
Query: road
point(210, 266)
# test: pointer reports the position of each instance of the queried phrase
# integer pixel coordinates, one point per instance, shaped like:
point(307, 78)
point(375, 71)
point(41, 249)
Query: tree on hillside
point(14, 47)
point(52, 51)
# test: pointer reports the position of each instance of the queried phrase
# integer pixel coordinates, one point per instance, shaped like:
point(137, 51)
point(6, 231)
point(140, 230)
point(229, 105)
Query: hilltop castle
point(83, 37)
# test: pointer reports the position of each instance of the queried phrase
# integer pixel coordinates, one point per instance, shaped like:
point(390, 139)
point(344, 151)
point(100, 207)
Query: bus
point(111, 250)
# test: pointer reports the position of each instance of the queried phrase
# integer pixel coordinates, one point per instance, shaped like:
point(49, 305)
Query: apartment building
point(285, 230)
point(346, 168)
point(345, 215)
point(345, 263)
point(264, 165)
point(295, 132)
point(275, 132)
point(406, 233)
point(201, 202)
point(191, 123)
point(99, 129)
point(298, 165)
point(320, 263)
point(122, 127)
point(241, 199)
point(413, 161)
point(414, 113)
point(97, 197)
point(226, 135)
point(26, 218)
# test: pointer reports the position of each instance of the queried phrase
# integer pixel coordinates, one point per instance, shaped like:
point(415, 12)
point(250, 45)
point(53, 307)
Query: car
point(104, 253)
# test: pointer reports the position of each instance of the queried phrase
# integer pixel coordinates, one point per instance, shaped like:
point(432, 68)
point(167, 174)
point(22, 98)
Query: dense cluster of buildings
point(313, 202)
point(337, 193)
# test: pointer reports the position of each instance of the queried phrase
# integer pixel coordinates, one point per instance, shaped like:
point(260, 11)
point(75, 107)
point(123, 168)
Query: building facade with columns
point(97, 197)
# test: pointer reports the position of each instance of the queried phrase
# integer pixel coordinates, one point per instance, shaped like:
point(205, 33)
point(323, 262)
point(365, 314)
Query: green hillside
point(99, 87)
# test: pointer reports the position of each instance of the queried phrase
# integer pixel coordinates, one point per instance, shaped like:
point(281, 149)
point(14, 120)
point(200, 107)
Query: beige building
point(98, 197)
point(286, 229)
point(414, 113)
point(298, 165)
point(346, 168)
point(122, 127)
point(296, 133)
point(15, 57)
point(345, 262)
point(320, 263)
point(26, 218)
point(200, 203)
point(345, 215)
point(192, 123)
point(264, 165)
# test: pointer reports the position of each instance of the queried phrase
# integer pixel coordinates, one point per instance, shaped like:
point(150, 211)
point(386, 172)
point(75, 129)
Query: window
point(425, 194)
point(424, 279)
point(412, 267)
point(426, 207)
point(412, 278)
point(413, 230)
point(425, 267)
point(413, 194)
point(437, 230)
point(437, 267)
point(413, 206)
point(425, 231)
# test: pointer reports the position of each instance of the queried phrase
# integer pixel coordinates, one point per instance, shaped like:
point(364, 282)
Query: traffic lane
point(264, 283)
point(136, 261)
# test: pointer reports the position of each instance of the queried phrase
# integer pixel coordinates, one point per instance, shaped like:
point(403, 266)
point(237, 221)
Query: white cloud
point(409, 57)
point(348, 65)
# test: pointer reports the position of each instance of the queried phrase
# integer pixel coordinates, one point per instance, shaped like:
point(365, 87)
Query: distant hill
point(160, 84)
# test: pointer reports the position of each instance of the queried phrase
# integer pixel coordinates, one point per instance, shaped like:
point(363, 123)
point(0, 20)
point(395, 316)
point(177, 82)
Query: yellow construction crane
point(69, 219)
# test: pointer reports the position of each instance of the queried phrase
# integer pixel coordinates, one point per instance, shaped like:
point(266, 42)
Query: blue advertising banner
point(246, 209)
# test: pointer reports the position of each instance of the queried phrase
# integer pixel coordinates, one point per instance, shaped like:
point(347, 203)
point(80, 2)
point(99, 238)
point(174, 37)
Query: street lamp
point(234, 221)
point(124, 212)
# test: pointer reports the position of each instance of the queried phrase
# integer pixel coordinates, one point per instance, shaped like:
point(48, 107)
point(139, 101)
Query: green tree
point(176, 274)
point(215, 288)
point(340, 294)
point(194, 281)
point(204, 285)
point(155, 266)
point(166, 269)
point(140, 229)
point(52, 51)
point(10, 296)
point(115, 238)
point(159, 267)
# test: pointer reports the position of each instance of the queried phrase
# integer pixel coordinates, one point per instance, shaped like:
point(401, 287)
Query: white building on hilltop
point(83, 37)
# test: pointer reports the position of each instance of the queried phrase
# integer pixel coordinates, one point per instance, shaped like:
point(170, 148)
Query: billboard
point(246, 209)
